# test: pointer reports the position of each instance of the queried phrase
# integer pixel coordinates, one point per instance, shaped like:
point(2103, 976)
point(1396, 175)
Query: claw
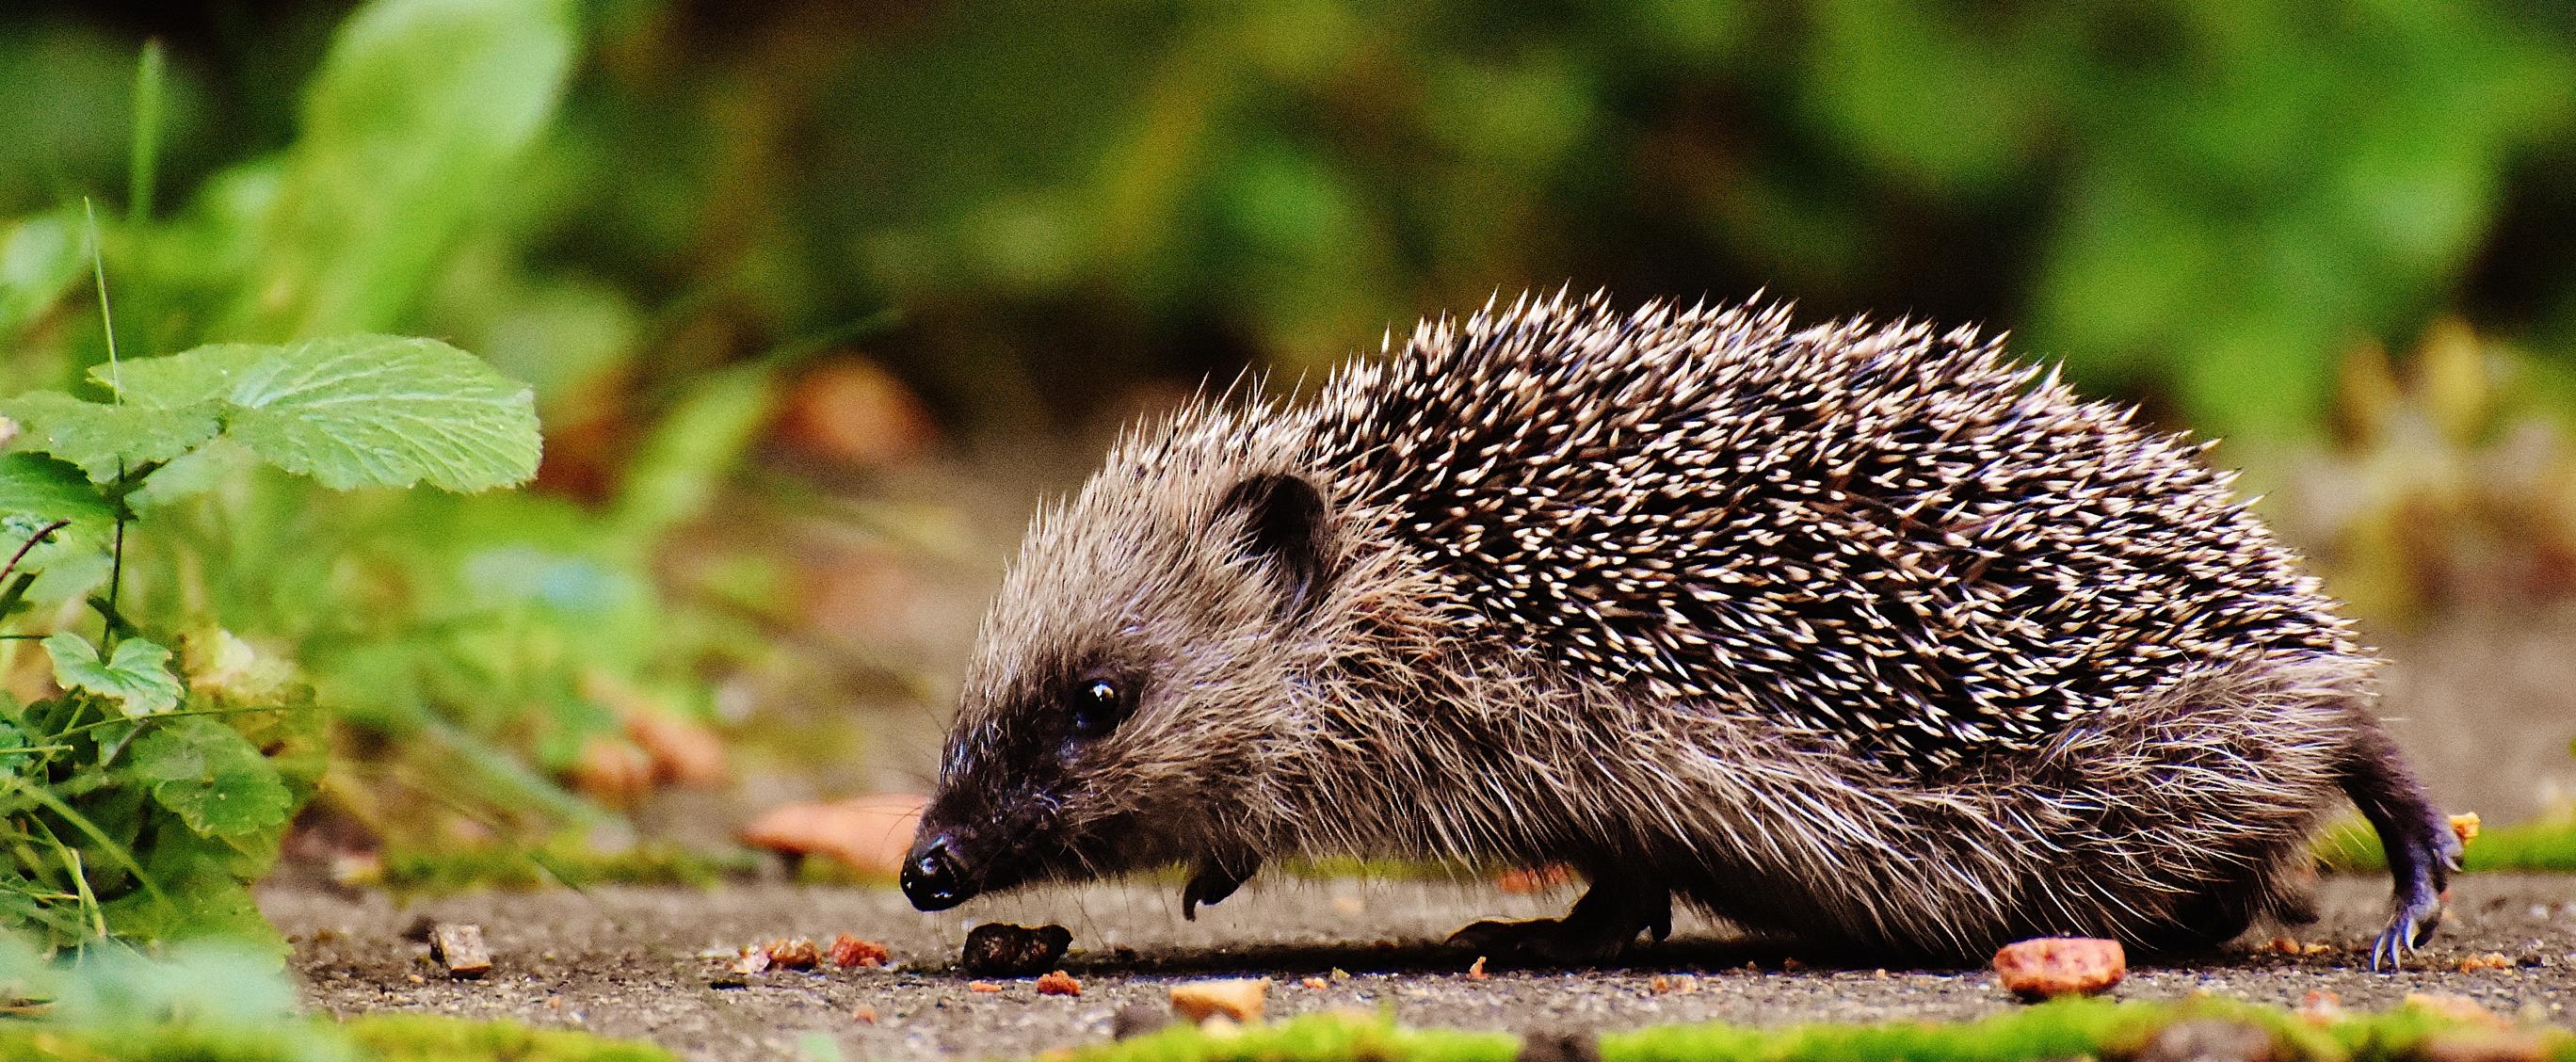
point(2408, 930)
point(1215, 879)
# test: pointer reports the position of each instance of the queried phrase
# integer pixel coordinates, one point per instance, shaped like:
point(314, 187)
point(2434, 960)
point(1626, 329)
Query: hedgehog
point(1860, 633)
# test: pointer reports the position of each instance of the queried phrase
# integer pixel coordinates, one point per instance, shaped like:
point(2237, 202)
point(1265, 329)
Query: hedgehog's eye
point(1099, 705)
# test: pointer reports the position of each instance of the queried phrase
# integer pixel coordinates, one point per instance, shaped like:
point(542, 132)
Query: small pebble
point(460, 946)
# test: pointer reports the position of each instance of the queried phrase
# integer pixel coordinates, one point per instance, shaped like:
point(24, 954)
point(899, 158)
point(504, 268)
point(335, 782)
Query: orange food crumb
point(849, 951)
point(1058, 983)
point(982, 986)
point(1476, 971)
point(1316, 983)
point(864, 1015)
point(796, 954)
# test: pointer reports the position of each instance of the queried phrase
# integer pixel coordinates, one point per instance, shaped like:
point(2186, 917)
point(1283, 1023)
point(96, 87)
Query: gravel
point(653, 964)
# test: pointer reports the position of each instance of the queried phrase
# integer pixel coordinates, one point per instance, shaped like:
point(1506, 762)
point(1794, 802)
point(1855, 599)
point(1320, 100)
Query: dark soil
point(652, 964)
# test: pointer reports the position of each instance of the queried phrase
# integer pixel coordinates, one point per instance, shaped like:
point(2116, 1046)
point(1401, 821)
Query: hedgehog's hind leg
point(2422, 850)
point(1602, 924)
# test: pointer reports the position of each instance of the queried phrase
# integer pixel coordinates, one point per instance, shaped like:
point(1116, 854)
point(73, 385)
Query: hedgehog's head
point(1134, 679)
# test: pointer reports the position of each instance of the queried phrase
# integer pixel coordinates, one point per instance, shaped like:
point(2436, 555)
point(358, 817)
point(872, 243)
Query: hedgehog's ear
point(1283, 528)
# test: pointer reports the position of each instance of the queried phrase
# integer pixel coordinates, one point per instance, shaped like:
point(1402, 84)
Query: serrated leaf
point(213, 778)
point(106, 439)
point(356, 411)
point(36, 491)
point(13, 742)
point(136, 676)
point(48, 489)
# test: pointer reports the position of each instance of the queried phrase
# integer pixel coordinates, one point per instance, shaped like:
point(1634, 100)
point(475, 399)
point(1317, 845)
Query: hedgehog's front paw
point(2418, 914)
point(1603, 923)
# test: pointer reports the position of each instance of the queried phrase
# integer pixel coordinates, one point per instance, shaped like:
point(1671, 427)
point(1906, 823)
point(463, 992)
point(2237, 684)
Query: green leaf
point(13, 742)
point(211, 777)
point(36, 491)
point(47, 489)
point(355, 411)
point(411, 132)
point(104, 439)
point(40, 261)
point(136, 676)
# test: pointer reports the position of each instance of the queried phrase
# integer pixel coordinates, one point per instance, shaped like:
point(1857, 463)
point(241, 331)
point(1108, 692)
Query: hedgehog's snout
point(934, 878)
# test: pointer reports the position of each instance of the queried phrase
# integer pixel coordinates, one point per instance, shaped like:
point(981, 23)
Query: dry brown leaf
point(868, 834)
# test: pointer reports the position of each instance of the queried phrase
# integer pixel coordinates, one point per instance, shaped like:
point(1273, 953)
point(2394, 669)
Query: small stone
point(1240, 999)
point(2460, 1009)
point(1558, 1047)
point(1136, 1019)
point(2057, 966)
point(2482, 1046)
point(2210, 1041)
point(1058, 983)
point(2321, 1008)
point(999, 949)
point(460, 946)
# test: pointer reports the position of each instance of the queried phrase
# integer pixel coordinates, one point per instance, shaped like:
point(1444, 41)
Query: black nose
point(933, 878)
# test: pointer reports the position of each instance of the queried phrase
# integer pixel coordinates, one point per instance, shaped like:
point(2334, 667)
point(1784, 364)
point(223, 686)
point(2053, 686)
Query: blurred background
point(820, 299)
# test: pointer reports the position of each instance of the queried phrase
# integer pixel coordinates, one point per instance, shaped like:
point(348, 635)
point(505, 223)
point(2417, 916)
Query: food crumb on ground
point(864, 1015)
point(2057, 966)
point(1058, 983)
point(1476, 970)
point(849, 951)
point(1316, 983)
point(798, 953)
point(1240, 999)
point(982, 986)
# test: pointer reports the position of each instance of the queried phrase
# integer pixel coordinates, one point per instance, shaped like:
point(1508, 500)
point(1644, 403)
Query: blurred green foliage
point(2196, 202)
point(212, 1001)
point(650, 210)
point(453, 635)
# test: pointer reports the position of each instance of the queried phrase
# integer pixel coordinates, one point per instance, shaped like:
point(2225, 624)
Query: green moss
point(1314, 1038)
point(2064, 1029)
point(393, 1038)
point(557, 863)
point(2547, 846)
point(422, 1038)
